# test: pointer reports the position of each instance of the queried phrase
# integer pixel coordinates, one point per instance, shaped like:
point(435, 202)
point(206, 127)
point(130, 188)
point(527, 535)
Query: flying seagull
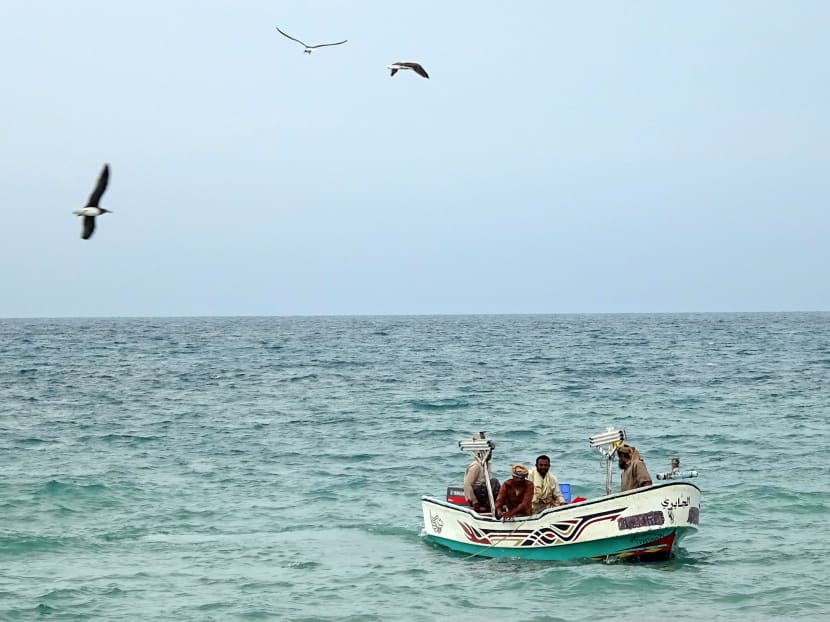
point(307, 47)
point(92, 208)
point(393, 68)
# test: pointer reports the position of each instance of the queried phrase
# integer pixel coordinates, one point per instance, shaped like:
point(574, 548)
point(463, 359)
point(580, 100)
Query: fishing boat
point(643, 524)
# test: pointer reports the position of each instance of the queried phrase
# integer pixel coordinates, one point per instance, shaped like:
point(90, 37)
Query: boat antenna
point(481, 449)
point(608, 443)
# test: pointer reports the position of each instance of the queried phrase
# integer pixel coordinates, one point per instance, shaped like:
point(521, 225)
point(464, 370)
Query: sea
point(272, 468)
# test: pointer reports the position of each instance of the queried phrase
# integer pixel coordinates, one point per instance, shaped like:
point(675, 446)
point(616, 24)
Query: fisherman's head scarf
point(630, 452)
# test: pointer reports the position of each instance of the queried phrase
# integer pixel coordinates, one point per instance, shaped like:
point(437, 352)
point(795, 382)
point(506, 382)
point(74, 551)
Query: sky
point(563, 157)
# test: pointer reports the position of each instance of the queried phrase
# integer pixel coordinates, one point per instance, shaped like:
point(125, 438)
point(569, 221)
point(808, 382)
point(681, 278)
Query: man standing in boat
point(516, 495)
point(546, 493)
point(634, 472)
point(475, 486)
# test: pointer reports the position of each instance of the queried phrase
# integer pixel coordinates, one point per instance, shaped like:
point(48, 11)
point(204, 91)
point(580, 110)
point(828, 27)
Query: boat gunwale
point(560, 508)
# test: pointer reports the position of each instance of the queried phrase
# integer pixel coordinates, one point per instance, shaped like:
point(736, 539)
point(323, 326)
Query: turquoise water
point(272, 468)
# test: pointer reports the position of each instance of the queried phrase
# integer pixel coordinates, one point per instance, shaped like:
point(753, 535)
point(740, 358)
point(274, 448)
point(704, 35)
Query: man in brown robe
point(516, 495)
point(634, 472)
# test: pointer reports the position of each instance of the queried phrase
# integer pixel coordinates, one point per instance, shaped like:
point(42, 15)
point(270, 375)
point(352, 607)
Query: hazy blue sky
point(564, 157)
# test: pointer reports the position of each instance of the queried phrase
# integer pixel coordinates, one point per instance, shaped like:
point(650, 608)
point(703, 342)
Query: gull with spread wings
point(394, 67)
point(92, 208)
point(307, 47)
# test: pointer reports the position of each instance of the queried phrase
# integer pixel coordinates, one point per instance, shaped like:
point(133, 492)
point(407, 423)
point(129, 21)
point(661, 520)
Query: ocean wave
point(59, 488)
point(34, 441)
point(441, 404)
point(302, 378)
point(25, 544)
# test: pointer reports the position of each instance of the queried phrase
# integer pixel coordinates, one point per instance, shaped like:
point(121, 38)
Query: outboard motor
point(455, 494)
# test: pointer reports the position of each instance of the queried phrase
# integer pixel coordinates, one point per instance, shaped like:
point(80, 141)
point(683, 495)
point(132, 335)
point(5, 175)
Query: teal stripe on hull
point(597, 548)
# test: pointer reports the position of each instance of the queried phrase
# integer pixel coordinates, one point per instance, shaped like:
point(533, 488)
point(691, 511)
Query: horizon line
point(405, 315)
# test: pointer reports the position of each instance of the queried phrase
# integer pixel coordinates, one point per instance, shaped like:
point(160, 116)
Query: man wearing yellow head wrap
point(515, 495)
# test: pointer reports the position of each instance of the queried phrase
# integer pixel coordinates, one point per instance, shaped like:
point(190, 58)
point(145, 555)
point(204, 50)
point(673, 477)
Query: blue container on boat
point(565, 489)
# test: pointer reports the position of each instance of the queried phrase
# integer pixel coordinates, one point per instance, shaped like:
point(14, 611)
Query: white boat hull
point(645, 523)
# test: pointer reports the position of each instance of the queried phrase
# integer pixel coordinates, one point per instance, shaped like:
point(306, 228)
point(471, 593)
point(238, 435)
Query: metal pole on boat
point(608, 473)
point(489, 487)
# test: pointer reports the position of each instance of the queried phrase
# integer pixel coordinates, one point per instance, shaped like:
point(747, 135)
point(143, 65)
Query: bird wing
point(290, 37)
point(99, 187)
point(89, 227)
point(322, 45)
point(393, 71)
point(419, 70)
